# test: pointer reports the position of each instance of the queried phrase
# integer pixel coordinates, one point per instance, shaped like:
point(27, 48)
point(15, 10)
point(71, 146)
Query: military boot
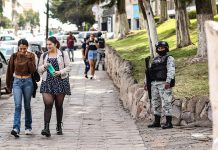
point(156, 122)
point(46, 130)
point(168, 124)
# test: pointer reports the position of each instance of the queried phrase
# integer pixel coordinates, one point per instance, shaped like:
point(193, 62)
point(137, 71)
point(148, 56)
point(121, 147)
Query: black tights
point(49, 100)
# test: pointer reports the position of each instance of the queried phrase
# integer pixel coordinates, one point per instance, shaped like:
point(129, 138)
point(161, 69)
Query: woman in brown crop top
point(21, 66)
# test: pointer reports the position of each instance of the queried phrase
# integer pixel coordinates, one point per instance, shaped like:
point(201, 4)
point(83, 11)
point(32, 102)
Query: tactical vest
point(158, 70)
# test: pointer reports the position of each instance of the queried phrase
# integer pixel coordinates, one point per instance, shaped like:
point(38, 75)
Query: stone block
point(188, 117)
point(191, 105)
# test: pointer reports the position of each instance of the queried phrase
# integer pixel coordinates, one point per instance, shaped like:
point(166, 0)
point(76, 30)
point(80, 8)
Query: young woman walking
point(92, 46)
point(85, 58)
point(55, 85)
point(20, 68)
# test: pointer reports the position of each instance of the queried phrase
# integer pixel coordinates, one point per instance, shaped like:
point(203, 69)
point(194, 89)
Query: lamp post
point(47, 17)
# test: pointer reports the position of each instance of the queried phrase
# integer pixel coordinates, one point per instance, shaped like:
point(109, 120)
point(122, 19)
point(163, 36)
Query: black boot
point(46, 130)
point(156, 122)
point(168, 124)
point(59, 128)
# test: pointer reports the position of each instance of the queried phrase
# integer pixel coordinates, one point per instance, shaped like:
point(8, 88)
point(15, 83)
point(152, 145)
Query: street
point(94, 119)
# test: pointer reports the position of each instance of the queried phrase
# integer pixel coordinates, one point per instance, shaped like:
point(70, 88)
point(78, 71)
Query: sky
point(39, 5)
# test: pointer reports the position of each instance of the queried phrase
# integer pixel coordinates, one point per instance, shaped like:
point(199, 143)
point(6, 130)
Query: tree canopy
point(28, 16)
point(72, 11)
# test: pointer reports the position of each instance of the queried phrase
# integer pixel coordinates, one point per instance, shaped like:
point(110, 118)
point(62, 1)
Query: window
point(8, 38)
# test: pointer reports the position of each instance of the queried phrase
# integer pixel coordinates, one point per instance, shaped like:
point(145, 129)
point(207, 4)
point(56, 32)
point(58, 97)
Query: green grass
point(191, 79)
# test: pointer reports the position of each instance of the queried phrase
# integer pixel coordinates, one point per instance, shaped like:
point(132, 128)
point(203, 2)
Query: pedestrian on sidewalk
point(55, 85)
point(92, 46)
point(20, 68)
point(100, 51)
point(162, 76)
point(85, 58)
point(70, 45)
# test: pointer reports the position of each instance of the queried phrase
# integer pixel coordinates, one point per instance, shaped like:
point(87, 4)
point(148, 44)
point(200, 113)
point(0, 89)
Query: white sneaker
point(28, 132)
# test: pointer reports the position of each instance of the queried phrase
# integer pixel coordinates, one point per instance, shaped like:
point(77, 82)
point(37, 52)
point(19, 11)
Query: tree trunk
point(151, 24)
point(156, 4)
point(212, 36)
point(182, 31)
point(117, 24)
point(213, 3)
point(141, 5)
point(163, 10)
point(122, 18)
point(204, 13)
point(141, 19)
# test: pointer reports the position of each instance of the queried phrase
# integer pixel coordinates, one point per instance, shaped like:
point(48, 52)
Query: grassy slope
point(191, 79)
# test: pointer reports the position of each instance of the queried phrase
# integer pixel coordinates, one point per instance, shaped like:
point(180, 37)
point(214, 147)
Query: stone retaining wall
point(186, 112)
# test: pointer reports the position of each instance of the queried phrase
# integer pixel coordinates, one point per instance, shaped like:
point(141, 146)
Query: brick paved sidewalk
point(93, 119)
point(178, 138)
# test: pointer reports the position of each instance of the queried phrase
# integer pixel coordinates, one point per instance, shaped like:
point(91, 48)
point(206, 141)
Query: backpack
point(46, 53)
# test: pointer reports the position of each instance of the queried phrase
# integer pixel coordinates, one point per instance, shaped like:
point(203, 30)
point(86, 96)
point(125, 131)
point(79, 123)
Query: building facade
point(105, 17)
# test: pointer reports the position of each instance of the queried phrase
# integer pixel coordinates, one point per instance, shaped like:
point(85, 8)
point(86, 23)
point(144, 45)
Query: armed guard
point(162, 79)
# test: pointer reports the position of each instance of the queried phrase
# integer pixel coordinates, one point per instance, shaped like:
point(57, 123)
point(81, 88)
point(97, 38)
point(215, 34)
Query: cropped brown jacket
point(20, 64)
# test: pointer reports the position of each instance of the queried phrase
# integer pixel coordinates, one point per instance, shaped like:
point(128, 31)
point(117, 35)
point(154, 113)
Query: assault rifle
point(148, 78)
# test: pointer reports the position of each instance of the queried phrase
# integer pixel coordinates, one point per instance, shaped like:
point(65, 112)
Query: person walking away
point(100, 50)
point(162, 76)
point(85, 58)
point(92, 46)
point(21, 66)
point(55, 85)
point(70, 45)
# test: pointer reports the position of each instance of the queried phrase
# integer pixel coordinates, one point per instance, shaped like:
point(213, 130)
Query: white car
point(8, 50)
point(3, 71)
point(5, 39)
point(63, 41)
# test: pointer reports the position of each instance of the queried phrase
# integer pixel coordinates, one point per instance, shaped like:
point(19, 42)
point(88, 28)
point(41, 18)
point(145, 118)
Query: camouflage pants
point(161, 98)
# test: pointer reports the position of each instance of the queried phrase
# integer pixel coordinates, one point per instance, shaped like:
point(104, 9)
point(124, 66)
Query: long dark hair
point(55, 41)
point(23, 41)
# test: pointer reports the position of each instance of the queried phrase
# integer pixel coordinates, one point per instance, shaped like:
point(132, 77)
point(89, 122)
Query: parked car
point(3, 71)
point(4, 39)
point(8, 50)
point(63, 41)
point(36, 48)
point(86, 34)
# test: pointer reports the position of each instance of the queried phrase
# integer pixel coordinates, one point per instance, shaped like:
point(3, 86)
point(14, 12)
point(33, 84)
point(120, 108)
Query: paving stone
point(93, 119)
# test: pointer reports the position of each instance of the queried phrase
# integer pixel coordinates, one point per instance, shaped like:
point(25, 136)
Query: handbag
point(36, 76)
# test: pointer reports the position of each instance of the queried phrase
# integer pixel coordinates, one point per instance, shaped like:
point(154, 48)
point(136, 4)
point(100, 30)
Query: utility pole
point(47, 18)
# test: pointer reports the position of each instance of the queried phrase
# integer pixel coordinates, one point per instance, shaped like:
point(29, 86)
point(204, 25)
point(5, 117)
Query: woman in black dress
point(55, 86)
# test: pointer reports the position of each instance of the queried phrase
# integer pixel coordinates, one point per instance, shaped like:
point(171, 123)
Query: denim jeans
point(22, 88)
point(69, 50)
point(87, 66)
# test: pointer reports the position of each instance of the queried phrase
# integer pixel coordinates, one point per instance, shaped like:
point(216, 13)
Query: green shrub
point(192, 14)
